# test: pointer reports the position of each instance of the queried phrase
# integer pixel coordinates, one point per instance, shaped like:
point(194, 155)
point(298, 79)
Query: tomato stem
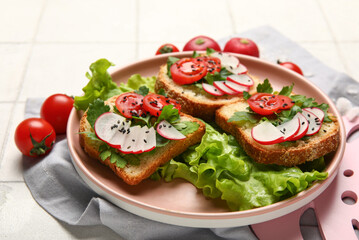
point(39, 148)
point(200, 41)
point(244, 41)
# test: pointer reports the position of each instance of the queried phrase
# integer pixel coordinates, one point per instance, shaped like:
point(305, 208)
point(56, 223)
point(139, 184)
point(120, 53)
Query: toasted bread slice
point(194, 101)
point(300, 151)
point(149, 162)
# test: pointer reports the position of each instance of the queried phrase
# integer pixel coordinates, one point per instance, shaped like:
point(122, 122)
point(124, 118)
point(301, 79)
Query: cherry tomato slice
point(264, 103)
point(213, 63)
point(285, 102)
point(188, 70)
point(130, 104)
point(154, 103)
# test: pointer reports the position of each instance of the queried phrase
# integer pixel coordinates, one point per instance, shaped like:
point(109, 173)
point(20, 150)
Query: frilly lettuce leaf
point(101, 84)
point(220, 167)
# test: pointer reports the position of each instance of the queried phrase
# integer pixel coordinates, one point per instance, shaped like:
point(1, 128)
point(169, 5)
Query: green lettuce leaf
point(99, 85)
point(221, 169)
point(96, 108)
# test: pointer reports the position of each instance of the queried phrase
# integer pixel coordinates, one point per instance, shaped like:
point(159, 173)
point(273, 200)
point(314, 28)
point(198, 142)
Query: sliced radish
point(241, 69)
point(236, 87)
point(304, 125)
point(166, 130)
point(314, 122)
point(266, 134)
point(130, 145)
point(110, 128)
point(227, 60)
point(149, 139)
point(212, 89)
point(242, 79)
point(290, 128)
point(222, 87)
point(316, 111)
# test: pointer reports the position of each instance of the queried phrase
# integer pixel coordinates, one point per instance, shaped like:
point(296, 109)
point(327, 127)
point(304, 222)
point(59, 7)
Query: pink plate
point(179, 202)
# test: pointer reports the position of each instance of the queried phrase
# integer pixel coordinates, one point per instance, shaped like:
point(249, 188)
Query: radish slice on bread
point(290, 128)
point(212, 89)
point(166, 130)
point(304, 125)
point(242, 79)
point(241, 69)
point(314, 122)
point(222, 87)
point(227, 60)
point(266, 133)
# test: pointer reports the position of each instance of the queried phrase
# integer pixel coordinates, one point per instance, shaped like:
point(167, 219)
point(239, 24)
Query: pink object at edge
point(335, 218)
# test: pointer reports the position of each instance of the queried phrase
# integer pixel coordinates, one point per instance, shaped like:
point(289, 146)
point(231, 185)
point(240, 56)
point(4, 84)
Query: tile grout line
point(12, 114)
point(336, 42)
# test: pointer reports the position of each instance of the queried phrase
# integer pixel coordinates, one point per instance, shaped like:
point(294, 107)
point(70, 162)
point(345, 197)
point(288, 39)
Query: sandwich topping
point(132, 127)
point(281, 117)
point(217, 73)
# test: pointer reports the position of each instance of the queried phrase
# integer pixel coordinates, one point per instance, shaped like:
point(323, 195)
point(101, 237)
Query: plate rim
point(313, 191)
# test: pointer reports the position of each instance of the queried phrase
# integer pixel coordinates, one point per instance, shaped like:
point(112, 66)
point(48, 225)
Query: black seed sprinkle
point(147, 131)
point(145, 140)
point(128, 147)
point(133, 140)
point(164, 125)
point(160, 126)
point(303, 123)
point(261, 106)
point(324, 130)
point(312, 129)
point(169, 126)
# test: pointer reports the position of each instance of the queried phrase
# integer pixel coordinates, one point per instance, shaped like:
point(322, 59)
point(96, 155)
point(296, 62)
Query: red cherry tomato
point(130, 104)
point(188, 70)
point(56, 110)
point(242, 46)
point(154, 103)
point(167, 48)
point(34, 137)
point(264, 103)
point(291, 66)
point(213, 63)
point(201, 43)
point(285, 102)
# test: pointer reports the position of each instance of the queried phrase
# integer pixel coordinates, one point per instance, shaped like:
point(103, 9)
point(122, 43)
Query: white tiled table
point(46, 47)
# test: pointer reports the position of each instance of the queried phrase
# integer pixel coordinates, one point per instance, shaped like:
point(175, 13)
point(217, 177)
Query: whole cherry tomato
point(201, 43)
point(291, 66)
point(166, 48)
point(34, 137)
point(56, 110)
point(242, 46)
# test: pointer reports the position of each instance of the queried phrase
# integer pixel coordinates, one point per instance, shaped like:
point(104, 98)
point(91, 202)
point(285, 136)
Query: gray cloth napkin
point(56, 186)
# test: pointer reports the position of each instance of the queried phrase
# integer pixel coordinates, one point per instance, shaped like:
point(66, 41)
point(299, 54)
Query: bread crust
point(149, 162)
point(317, 146)
point(201, 105)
